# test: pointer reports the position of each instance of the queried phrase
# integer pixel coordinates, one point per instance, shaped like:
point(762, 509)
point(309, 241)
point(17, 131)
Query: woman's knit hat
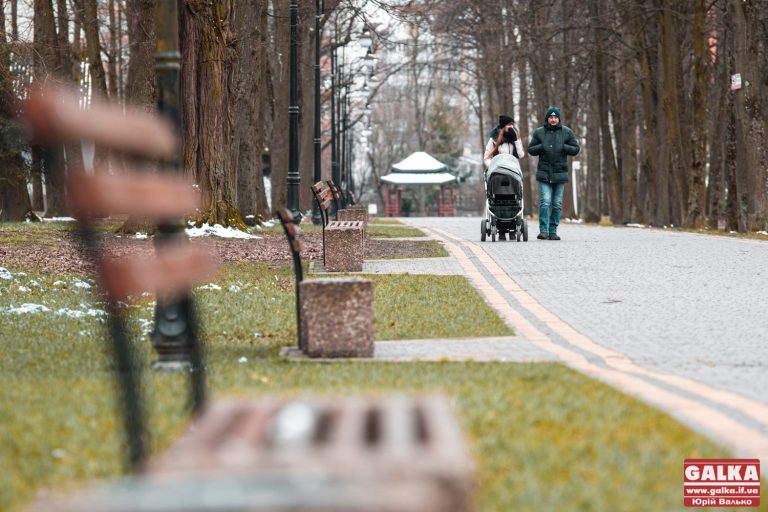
point(505, 120)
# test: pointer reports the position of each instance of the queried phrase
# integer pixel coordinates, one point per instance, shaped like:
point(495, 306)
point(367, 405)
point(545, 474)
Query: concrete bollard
point(344, 246)
point(337, 317)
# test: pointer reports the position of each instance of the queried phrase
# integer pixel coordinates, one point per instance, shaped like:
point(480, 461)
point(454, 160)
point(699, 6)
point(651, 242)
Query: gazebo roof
point(418, 178)
point(419, 162)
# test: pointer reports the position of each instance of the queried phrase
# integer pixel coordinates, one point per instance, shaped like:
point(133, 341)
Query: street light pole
point(294, 179)
point(335, 174)
point(175, 334)
point(318, 176)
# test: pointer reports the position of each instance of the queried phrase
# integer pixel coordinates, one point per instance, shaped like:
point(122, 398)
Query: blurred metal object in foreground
point(175, 335)
point(391, 454)
point(55, 117)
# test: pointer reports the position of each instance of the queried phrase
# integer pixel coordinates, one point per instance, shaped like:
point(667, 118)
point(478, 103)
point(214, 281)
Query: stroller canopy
point(505, 163)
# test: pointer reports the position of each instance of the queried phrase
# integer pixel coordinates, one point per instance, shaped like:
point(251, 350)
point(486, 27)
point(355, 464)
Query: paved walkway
point(438, 266)
point(675, 319)
point(503, 349)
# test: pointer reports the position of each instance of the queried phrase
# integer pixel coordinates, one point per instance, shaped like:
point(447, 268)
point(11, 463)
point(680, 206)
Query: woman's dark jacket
point(552, 144)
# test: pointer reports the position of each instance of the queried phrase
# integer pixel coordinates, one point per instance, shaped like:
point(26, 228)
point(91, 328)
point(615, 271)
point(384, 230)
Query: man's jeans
point(550, 206)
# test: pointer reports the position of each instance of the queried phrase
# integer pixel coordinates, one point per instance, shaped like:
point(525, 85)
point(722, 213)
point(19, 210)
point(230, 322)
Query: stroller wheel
point(518, 233)
point(493, 232)
point(525, 230)
point(482, 230)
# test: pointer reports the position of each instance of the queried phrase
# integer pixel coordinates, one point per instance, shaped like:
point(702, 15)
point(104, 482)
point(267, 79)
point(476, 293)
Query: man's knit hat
point(505, 120)
point(552, 110)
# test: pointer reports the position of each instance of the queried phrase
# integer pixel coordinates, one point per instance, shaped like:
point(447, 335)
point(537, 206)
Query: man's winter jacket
point(552, 144)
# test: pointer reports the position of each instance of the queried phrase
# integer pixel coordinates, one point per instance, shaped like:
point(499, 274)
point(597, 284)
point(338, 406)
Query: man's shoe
point(543, 236)
point(553, 236)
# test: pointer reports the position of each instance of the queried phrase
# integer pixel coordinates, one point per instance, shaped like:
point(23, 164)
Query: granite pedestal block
point(344, 246)
point(337, 317)
point(356, 212)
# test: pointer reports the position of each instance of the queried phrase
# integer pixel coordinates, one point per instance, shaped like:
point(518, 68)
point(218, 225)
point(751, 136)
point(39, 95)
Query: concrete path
point(437, 266)
point(502, 349)
point(675, 319)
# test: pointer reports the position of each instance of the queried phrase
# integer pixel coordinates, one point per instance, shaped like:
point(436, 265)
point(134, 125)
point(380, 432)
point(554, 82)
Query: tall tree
point(140, 83)
point(696, 176)
point(250, 135)
point(14, 199)
point(207, 88)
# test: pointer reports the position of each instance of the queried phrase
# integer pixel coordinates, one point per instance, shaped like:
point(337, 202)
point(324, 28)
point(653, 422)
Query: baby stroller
point(504, 200)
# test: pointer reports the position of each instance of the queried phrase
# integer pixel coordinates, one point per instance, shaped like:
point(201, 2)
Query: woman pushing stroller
point(504, 138)
point(504, 185)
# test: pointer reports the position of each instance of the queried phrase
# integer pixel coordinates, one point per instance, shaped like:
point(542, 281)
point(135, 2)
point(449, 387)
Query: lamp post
point(175, 334)
point(294, 178)
point(318, 173)
point(335, 172)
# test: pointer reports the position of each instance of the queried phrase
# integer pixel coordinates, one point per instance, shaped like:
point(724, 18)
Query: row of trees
point(234, 89)
point(670, 97)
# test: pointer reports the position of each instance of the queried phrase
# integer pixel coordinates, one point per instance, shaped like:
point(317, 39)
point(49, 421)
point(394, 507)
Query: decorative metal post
point(294, 178)
point(335, 172)
point(175, 333)
point(318, 176)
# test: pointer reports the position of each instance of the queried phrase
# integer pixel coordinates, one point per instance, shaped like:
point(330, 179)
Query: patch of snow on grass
point(28, 308)
point(5, 274)
point(636, 226)
point(24, 289)
point(81, 284)
point(58, 219)
point(74, 313)
point(234, 288)
point(141, 236)
point(210, 286)
point(59, 283)
point(220, 231)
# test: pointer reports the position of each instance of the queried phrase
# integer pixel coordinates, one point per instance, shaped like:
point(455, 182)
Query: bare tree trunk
point(249, 133)
point(280, 72)
point(735, 215)
point(750, 119)
point(696, 186)
point(14, 20)
point(38, 203)
point(93, 47)
point(64, 49)
point(670, 56)
point(207, 82)
point(140, 86)
point(717, 141)
point(306, 98)
point(609, 156)
point(650, 127)
point(14, 199)
point(522, 123)
point(591, 207)
point(627, 89)
point(112, 56)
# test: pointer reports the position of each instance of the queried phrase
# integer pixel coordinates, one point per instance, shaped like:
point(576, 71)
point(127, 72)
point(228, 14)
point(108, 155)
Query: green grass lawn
point(375, 231)
point(544, 437)
point(385, 220)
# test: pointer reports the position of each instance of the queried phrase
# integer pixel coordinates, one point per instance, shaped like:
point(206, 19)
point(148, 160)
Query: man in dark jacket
point(552, 143)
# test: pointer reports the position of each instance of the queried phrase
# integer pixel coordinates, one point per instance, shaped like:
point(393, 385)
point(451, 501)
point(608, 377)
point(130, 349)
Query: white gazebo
point(419, 169)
